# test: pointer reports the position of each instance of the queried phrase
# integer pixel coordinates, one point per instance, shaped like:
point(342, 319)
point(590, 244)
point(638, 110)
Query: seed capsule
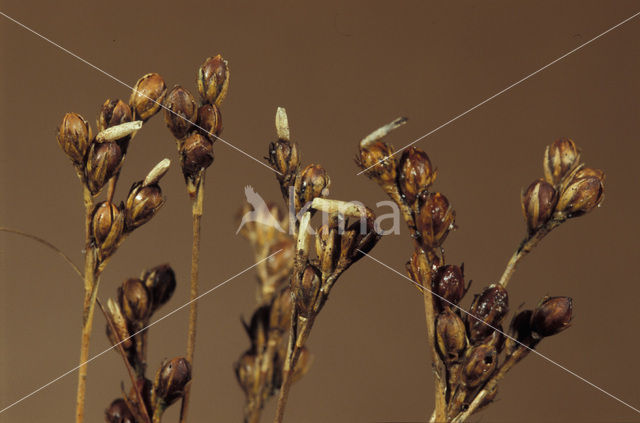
point(313, 181)
point(213, 80)
point(560, 158)
point(448, 283)
point(107, 224)
point(418, 269)
point(246, 372)
point(479, 364)
point(74, 135)
point(378, 159)
point(196, 155)
point(171, 380)
point(113, 113)
point(181, 111)
point(161, 283)
point(552, 316)
point(147, 96)
point(435, 218)
point(538, 204)
point(451, 335)
point(327, 248)
point(143, 202)
point(285, 159)
point(120, 325)
point(583, 192)
point(258, 328)
point(415, 173)
point(488, 309)
point(118, 412)
point(209, 121)
point(305, 288)
point(280, 311)
point(103, 162)
point(135, 301)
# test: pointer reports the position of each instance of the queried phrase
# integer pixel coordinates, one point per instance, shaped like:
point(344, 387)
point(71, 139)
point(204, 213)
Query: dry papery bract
point(299, 261)
point(471, 352)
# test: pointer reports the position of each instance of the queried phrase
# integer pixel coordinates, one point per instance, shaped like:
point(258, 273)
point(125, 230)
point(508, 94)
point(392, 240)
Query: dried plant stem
point(525, 248)
point(197, 210)
point(477, 402)
point(91, 282)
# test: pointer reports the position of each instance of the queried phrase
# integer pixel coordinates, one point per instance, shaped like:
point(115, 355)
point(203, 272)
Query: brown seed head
point(209, 121)
point(246, 370)
point(583, 192)
point(120, 325)
point(103, 162)
point(418, 269)
point(147, 96)
point(135, 301)
point(74, 135)
point(448, 283)
point(305, 288)
point(113, 113)
point(313, 181)
point(415, 173)
point(488, 308)
point(118, 412)
point(327, 248)
point(181, 110)
point(284, 158)
point(560, 158)
point(161, 283)
point(171, 380)
point(213, 80)
point(435, 218)
point(451, 335)
point(143, 202)
point(479, 364)
point(196, 155)
point(378, 156)
point(538, 203)
point(107, 224)
point(552, 316)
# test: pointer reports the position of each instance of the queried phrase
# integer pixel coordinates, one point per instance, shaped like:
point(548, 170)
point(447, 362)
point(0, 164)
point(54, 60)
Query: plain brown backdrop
point(341, 70)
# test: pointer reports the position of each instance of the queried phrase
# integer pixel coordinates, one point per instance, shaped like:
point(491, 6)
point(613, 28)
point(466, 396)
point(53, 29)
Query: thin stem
point(525, 247)
point(197, 210)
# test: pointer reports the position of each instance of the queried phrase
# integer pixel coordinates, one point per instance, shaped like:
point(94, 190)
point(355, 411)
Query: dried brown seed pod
point(246, 369)
point(583, 192)
point(181, 111)
point(143, 202)
point(118, 412)
point(435, 219)
point(560, 158)
point(479, 364)
point(196, 155)
point(378, 159)
point(285, 159)
point(418, 269)
point(258, 328)
point(113, 113)
point(120, 324)
point(415, 173)
point(327, 248)
point(135, 301)
point(209, 121)
point(161, 283)
point(107, 224)
point(552, 316)
point(280, 311)
point(305, 289)
point(103, 162)
point(213, 80)
point(451, 335)
point(538, 203)
point(448, 283)
point(74, 136)
point(487, 310)
point(171, 380)
point(147, 96)
point(313, 181)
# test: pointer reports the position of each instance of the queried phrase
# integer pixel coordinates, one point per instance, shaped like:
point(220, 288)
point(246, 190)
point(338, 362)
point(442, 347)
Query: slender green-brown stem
point(197, 209)
point(90, 293)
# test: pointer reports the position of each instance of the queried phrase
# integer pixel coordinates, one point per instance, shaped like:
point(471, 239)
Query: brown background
point(341, 70)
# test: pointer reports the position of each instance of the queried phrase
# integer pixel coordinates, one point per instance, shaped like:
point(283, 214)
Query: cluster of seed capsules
point(98, 160)
point(469, 344)
point(197, 125)
point(129, 315)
